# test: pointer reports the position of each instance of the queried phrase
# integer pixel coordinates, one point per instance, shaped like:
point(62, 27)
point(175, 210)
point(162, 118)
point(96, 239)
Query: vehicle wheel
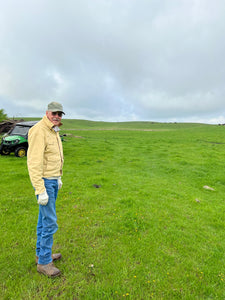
point(21, 152)
point(5, 152)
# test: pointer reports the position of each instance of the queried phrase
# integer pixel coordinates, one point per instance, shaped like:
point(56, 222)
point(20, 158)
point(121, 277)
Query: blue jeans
point(47, 223)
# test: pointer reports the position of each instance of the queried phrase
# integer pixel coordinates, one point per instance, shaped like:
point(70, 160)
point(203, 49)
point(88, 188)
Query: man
point(45, 162)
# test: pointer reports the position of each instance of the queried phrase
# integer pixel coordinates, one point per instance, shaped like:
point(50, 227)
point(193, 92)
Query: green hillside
point(140, 215)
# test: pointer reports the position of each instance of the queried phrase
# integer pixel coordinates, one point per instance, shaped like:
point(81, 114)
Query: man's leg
point(39, 233)
point(55, 256)
point(49, 222)
point(49, 227)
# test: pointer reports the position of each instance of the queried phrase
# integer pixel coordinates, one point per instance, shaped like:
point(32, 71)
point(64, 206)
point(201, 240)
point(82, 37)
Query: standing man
point(45, 162)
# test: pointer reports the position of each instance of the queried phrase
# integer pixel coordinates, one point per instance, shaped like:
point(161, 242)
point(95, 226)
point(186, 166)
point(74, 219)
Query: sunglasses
point(54, 113)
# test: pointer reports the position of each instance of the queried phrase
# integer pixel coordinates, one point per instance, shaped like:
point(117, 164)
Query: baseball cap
point(55, 106)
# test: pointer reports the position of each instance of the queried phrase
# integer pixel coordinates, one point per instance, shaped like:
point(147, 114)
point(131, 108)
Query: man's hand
point(59, 183)
point(43, 198)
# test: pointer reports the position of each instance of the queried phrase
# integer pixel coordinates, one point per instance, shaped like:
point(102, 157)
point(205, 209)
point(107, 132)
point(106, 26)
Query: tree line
point(3, 115)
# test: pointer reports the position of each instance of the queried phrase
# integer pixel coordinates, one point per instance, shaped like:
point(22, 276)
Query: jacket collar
point(48, 123)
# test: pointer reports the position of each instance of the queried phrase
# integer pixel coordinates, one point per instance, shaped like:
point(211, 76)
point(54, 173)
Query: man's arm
point(35, 159)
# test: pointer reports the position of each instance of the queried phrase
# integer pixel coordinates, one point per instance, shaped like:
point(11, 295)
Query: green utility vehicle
point(16, 139)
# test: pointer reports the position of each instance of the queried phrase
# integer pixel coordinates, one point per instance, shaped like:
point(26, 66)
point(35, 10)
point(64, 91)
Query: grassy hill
point(152, 229)
point(144, 125)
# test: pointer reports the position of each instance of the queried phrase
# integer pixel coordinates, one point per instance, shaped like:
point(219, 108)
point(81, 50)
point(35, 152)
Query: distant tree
point(3, 116)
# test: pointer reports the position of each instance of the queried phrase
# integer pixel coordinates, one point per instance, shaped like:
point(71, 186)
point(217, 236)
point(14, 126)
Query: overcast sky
point(114, 60)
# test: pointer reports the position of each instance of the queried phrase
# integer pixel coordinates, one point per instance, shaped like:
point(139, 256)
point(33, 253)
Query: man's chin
point(56, 123)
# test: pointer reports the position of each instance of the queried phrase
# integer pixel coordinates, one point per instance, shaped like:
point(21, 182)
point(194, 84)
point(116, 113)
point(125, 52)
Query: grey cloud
point(114, 60)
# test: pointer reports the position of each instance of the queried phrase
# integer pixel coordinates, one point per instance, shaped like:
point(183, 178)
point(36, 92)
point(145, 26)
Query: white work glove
point(43, 198)
point(59, 183)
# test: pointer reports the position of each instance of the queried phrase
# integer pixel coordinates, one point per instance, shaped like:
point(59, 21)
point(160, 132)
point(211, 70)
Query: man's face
point(54, 117)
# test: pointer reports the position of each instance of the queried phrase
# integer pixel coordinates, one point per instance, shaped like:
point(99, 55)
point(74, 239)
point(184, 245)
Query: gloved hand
point(59, 183)
point(43, 198)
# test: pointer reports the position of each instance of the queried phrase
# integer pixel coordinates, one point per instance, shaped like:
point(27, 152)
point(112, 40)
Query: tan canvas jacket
point(45, 154)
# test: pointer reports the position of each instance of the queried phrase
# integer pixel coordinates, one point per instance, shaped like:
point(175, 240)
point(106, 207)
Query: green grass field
point(150, 231)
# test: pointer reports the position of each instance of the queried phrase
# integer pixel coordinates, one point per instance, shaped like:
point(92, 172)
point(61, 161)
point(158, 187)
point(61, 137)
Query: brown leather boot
point(55, 256)
point(50, 270)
